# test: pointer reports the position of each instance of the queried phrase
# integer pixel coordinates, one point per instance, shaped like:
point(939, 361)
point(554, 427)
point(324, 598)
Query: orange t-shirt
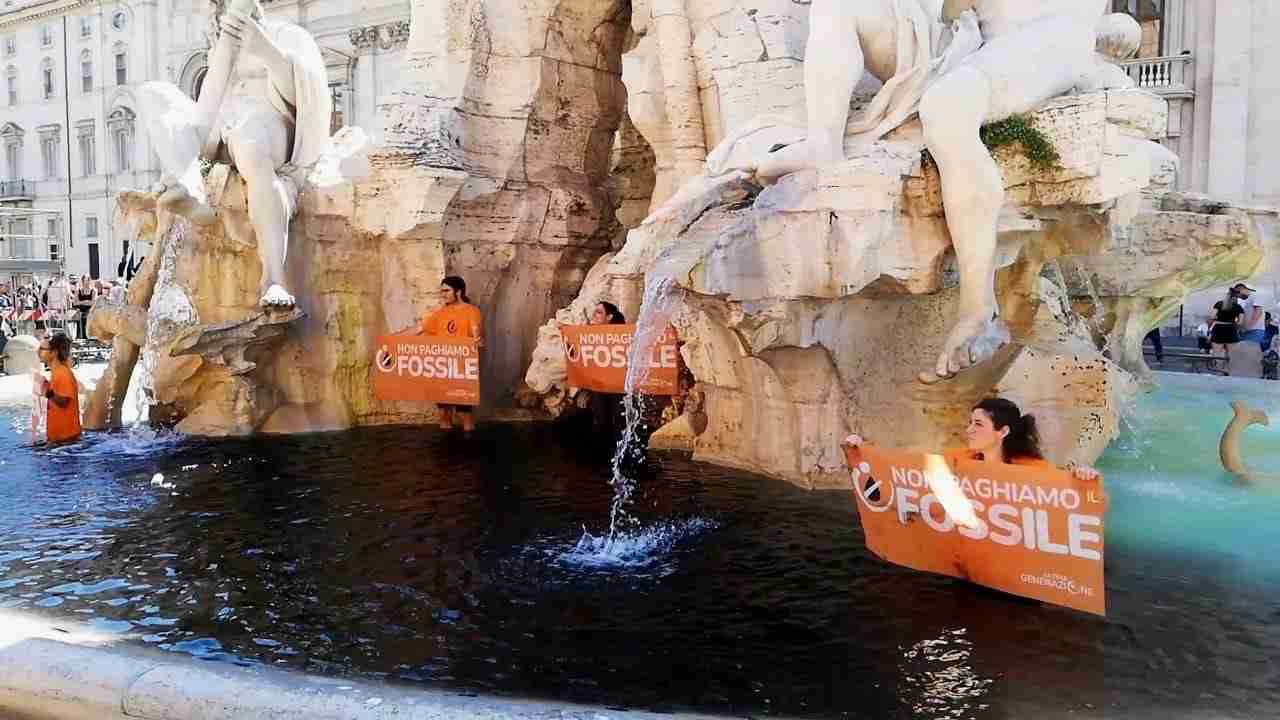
point(967, 454)
point(63, 424)
point(457, 320)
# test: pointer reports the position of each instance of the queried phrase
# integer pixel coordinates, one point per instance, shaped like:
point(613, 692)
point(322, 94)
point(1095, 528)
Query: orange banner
point(1027, 531)
point(427, 369)
point(597, 356)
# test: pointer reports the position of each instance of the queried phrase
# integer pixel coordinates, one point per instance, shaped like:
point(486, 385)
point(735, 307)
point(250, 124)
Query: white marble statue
point(265, 107)
point(1004, 57)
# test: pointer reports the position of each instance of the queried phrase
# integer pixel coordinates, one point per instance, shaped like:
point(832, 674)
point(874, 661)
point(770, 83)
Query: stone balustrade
point(1161, 74)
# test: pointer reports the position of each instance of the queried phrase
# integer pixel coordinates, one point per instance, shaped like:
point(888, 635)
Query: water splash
point(660, 299)
point(635, 549)
point(170, 311)
point(1086, 328)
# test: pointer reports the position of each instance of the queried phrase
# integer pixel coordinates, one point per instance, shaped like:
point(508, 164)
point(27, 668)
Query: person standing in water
point(61, 390)
point(999, 432)
point(458, 318)
point(606, 408)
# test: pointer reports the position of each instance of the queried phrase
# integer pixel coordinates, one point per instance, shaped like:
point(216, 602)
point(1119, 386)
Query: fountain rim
point(46, 679)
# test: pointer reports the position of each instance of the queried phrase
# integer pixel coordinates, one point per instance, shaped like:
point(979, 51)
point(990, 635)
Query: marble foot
point(972, 342)
point(277, 299)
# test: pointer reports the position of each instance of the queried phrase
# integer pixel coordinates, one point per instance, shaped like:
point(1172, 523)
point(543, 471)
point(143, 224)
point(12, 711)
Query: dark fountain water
point(399, 553)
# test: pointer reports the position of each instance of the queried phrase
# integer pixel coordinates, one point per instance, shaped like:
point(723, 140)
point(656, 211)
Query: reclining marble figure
point(265, 108)
point(1005, 57)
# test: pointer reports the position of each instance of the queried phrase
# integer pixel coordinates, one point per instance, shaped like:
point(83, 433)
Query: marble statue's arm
point(222, 63)
point(953, 9)
point(257, 42)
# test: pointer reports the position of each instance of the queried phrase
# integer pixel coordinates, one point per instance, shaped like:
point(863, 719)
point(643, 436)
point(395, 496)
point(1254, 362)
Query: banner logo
point(875, 495)
point(385, 360)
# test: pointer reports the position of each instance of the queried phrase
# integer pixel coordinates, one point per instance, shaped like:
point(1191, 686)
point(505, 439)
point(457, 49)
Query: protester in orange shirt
point(62, 390)
point(999, 432)
point(458, 318)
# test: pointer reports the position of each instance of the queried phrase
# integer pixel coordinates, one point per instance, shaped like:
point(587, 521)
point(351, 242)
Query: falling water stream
point(629, 543)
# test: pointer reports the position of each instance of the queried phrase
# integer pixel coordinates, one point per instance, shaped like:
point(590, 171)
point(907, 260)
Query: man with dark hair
point(1253, 326)
point(61, 389)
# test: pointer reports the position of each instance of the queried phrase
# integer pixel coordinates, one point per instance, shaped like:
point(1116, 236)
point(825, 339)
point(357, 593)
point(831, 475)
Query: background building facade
point(69, 129)
point(1218, 64)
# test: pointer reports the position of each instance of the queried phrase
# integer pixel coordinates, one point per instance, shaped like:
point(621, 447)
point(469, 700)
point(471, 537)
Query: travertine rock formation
point(531, 138)
point(1157, 254)
point(809, 308)
point(495, 168)
point(517, 105)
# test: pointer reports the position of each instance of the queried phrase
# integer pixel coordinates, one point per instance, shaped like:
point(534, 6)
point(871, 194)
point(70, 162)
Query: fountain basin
point(398, 554)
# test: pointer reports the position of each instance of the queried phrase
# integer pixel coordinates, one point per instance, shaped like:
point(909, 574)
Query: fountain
point(656, 154)
point(814, 303)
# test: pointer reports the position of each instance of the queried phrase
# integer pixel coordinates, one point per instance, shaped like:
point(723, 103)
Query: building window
point(1150, 14)
point(54, 227)
point(22, 245)
point(46, 77)
point(46, 36)
point(91, 228)
point(120, 127)
point(11, 78)
point(86, 26)
point(50, 146)
point(198, 84)
point(49, 154)
point(86, 71)
point(122, 67)
point(12, 137)
point(119, 19)
point(88, 150)
point(13, 160)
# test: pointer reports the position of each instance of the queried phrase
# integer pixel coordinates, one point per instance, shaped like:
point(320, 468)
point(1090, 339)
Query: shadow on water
point(404, 554)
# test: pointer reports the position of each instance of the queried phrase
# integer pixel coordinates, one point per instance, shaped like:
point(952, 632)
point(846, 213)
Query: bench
point(1206, 360)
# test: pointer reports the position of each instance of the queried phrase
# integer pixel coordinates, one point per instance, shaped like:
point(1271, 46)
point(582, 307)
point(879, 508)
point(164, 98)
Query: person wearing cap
point(1253, 324)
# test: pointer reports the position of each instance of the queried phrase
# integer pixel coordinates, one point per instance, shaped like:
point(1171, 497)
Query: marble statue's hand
point(247, 33)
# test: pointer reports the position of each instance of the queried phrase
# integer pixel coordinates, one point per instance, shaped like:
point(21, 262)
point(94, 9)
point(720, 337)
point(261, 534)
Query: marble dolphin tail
point(1229, 446)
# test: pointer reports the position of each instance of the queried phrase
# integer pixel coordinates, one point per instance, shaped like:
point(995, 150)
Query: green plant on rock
point(1021, 130)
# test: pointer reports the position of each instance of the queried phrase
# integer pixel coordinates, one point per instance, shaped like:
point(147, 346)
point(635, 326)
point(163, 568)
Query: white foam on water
point(629, 549)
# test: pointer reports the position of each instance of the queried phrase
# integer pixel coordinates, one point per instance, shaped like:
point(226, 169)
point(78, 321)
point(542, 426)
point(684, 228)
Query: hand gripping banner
point(597, 357)
point(427, 369)
point(1029, 531)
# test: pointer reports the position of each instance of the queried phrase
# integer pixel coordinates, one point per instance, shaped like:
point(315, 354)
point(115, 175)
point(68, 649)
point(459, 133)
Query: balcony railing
point(1161, 74)
point(17, 189)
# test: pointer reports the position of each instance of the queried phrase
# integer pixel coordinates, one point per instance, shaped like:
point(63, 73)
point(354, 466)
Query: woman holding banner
point(457, 318)
point(606, 408)
point(999, 432)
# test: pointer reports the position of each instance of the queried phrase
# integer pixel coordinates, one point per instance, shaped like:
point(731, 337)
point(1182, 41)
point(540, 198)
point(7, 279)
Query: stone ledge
point(43, 679)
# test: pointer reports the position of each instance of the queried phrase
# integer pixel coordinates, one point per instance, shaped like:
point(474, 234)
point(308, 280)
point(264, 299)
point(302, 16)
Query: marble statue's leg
point(171, 121)
point(1014, 73)
point(258, 146)
point(833, 66)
